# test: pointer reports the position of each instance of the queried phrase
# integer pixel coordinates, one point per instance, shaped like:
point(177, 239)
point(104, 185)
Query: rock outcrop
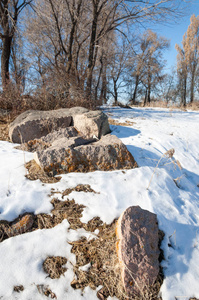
point(33, 124)
point(70, 140)
point(137, 248)
point(81, 155)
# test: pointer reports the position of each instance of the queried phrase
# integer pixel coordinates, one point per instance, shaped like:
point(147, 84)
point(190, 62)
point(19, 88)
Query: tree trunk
point(145, 98)
point(149, 94)
point(192, 87)
point(103, 94)
point(5, 58)
point(71, 40)
point(115, 92)
point(135, 89)
point(91, 61)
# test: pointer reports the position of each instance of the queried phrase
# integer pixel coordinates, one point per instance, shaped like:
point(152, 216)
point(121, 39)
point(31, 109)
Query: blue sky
point(175, 32)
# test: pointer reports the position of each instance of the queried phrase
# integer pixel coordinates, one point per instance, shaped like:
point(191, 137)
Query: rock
point(34, 124)
point(109, 153)
point(21, 226)
point(92, 123)
point(137, 232)
point(46, 141)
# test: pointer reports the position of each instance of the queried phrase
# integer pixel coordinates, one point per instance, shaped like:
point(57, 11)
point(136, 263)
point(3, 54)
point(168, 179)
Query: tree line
point(71, 52)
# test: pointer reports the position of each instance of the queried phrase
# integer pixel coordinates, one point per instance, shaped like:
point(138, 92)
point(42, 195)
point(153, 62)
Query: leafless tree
point(70, 39)
point(9, 14)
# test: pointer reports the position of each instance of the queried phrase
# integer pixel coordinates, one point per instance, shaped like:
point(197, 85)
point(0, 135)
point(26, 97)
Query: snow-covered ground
point(168, 190)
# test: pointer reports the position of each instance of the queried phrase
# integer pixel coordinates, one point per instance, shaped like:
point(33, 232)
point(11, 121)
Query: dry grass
point(46, 291)
point(18, 288)
point(115, 122)
point(104, 268)
point(4, 125)
point(100, 252)
point(4, 128)
point(193, 106)
point(53, 266)
point(169, 160)
point(36, 172)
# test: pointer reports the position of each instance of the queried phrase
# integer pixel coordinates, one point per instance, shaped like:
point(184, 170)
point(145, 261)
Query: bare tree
point(119, 60)
point(192, 52)
point(182, 71)
point(9, 13)
point(187, 60)
point(114, 14)
point(69, 39)
point(148, 63)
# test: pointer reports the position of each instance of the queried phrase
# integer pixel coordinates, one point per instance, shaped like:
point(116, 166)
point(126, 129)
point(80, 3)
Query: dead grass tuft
point(18, 288)
point(53, 266)
point(117, 123)
point(46, 291)
point(79, 188)
point(67, 210)
point(36, 172)
point(4, 126)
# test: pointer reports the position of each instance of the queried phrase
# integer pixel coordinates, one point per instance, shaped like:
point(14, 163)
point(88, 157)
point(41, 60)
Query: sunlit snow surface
point(154, 132)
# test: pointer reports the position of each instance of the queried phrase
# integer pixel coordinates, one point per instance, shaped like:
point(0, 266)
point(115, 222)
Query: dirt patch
point(53, 266)
point(36, 172)
point(117, 123)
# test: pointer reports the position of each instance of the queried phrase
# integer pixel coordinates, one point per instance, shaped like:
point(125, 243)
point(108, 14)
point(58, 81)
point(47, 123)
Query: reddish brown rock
point(21, 226)
point(137, 248)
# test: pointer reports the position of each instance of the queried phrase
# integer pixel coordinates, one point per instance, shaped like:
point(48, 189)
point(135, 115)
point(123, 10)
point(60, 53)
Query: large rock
point(109, 153)
point(47, 141)
point(33, 124)
point(92, 123)
point(137, 247)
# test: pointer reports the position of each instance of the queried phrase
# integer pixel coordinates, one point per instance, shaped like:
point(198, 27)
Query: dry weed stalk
point(169, 155)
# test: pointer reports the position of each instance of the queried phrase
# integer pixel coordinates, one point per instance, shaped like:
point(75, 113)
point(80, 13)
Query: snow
point(154, 132)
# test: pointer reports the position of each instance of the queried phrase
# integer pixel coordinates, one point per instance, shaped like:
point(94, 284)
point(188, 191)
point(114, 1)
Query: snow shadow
point(187, 180)
point(144, 157)
point(181, 241)
point(148, 113)
point(124, 131)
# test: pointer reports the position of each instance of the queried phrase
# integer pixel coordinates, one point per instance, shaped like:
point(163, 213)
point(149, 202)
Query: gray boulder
point(33, 124)
point(47, 141)
point(138, 252)
point(92, 123)
point(83, 155)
